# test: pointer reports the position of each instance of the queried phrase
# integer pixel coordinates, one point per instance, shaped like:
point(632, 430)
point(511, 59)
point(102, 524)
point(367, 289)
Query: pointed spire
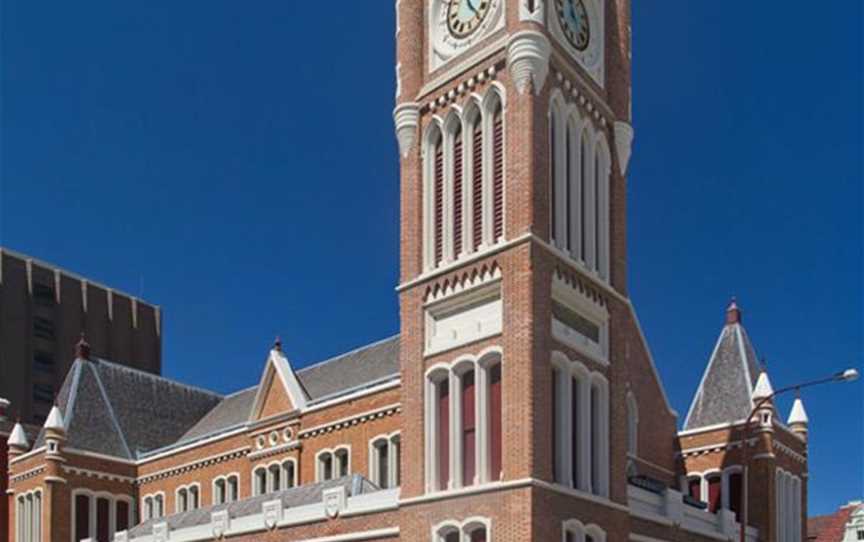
point(763, 387)
point(733, 313)
point(82, 349)
point(277, 344)
point(18, 439)
point(798, 415)
point(55, 421)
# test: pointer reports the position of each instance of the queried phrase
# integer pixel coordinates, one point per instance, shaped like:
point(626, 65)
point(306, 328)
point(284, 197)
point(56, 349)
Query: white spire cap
point(55, 420)
point(763, 387)
point(18, 439)
point(798, 414)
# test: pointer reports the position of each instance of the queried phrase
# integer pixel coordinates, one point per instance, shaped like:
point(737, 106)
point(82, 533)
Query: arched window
point(384, 461)
point(289, 474)
point(497, 171)
point(342, 462)
point(470, 530)
point(438, 433)
point(458, 190)
point(28, 517)
point(438, 198)
point(477, 180)
point(260, 481)
point(694, 487)
point(495, 423)
point(581, 426)
point(274, 477)
point(468, 439)
point(99, 516)
point(325, 466)
point(219, 491)
point(182, 500)
point(233, 490)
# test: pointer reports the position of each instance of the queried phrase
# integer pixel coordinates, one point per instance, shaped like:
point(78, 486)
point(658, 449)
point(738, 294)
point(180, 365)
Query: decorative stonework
point(407, 118)
point(532, 11)
point(272, 513)
point(348, 422)
point(623, 144)
point(467, 85)
point(466, 281)
point(528, 57)
point(98, 475)
point(590, 104)
point(188, 467)
point(334, 501)
point(221, 523)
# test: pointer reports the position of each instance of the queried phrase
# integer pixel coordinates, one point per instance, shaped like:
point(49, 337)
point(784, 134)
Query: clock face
point(573, 17)
point(465, 16)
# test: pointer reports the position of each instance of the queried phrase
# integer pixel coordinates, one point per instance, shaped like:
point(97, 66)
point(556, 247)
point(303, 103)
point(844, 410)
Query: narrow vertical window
point(82, 517)
point(122, 516)
point(396, 443)
point(233, 492)
point(383, 464)
point(569, 174)
point(597, 217)
point(583, 182)
point(148, 508)
point(694, 487)
point(556, 445)
point(735, 481)
point(193, 498)
point(103, 520)
point(477, 183)
point(595, 439)
point(439, 202)
point(219, 491)
point(469, 429)
point(552, 169)
point(458, 175)
point(275, 478)
point(714, 493)
point(498, 173)
point(443, 389)
point(260, 482)
point(159, 506)
point(342, 462)
point(288, 473)
point(575, 410)
point(495, 423)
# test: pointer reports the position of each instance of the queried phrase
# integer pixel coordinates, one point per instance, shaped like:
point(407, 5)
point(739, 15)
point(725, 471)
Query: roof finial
point(82, 349)
point(277, 344)
point(733, 313)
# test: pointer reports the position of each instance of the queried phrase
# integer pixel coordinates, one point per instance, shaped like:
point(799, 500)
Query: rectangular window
point(43, 361)
point(43, 328)
point(694, 488)
point(469, 429)
point(43, 294)
point(576, 321)
point(735, 480)
point(43, 393)
point(575, 397)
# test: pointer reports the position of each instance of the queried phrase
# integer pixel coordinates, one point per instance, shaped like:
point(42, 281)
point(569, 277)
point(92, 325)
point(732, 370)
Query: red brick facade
point(524, 269)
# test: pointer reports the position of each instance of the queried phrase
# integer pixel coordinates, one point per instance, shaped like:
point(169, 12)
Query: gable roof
point(726, 390)
point(117, 411)
point(121, 412)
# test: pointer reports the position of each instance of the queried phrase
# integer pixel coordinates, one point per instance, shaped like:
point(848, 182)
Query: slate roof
point(309, 494)
point(724, 395)
point(363, 366)
point(121, 412)
point(117, 411)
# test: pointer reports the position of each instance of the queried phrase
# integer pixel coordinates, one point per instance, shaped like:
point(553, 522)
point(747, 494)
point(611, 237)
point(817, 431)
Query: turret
point(17, 442)
point(798, 419)
point(55, 431)
point(762, 393)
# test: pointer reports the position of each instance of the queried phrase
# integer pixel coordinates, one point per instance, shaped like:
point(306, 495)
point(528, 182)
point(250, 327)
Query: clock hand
point(471, 6)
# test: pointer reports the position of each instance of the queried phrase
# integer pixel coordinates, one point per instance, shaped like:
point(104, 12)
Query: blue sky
point(235, 163)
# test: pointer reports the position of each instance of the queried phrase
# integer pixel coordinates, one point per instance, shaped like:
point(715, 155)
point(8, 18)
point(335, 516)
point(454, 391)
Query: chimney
point(733, 313)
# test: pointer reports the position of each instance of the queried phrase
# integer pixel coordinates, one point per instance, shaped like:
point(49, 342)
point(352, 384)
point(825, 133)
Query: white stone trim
point(28, 506)
point(528, 54)
point(226, 496)
point(452, 372)
point(580, 531)
point(392, 442)
point(464, 528)
point(587, 473)
point(333, 453)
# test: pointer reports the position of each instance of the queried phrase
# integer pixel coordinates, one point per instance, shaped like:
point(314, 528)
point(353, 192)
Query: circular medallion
point(465, 16)
point(573, 16)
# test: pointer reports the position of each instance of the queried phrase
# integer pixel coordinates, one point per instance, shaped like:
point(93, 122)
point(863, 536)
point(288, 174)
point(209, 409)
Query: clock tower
point(520, 349)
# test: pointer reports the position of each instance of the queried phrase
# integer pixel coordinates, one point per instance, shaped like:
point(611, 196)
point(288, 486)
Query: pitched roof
point(298, 496)
point(118, 411)
point(361, 367)
point(122, 412)
point(725, 393)
point(831, 527)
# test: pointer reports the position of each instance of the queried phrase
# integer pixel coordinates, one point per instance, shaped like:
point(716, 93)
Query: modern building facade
point(43, 311)
point(520, 400)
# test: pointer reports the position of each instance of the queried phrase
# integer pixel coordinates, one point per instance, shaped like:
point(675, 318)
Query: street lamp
point(849, 375)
